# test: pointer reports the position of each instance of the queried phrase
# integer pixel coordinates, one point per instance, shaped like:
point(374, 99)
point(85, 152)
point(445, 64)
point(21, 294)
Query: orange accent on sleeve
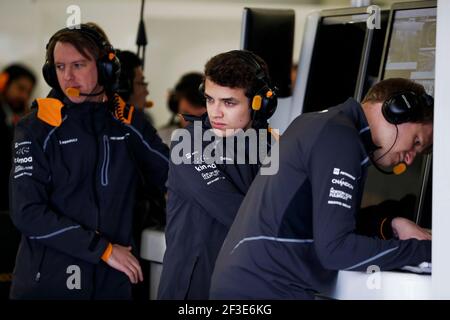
point(381, 228)
point(275, 133)
point(4, 77)
point(49, 111)
point(107, 253)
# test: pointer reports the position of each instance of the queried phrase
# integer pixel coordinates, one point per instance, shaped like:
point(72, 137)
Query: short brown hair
point(232, 69)
point(82, 41)
point(386, 89)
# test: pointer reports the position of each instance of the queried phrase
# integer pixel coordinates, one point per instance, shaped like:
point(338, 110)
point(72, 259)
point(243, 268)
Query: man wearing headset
point(204, 197)
point(150, 205)
point(185, 98)
point(16, 85)
point(75, 159)
point(294, 230)
point(132, 85)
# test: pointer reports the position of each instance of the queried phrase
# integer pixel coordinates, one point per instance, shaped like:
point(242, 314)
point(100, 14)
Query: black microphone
point(74, 92)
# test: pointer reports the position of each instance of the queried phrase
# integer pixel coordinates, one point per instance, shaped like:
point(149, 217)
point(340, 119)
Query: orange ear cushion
point(4, 77)
point(256, 102)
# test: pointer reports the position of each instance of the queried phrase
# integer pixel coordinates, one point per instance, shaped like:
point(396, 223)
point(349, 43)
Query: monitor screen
point(335, 63)
point(269, 33)
point(338, 53)
point(409, 53)
point(412, 47)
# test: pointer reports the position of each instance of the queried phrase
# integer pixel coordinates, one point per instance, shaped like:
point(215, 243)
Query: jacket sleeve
point(208, 188)
point(375, 220)
point(31, 210)
point(148, 150)
point(336, 173)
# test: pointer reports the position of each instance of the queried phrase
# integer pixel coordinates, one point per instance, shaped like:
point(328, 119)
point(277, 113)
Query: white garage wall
point(441, 154)
point(182, 35)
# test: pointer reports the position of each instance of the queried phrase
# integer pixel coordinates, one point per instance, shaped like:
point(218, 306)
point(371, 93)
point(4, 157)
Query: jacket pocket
point(105, 164)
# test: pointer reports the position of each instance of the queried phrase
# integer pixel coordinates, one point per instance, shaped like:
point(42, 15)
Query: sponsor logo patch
point(62, 142)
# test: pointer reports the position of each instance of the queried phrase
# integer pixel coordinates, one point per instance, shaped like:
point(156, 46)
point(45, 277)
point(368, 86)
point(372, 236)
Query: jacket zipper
point(38, 273)
point(105, 165)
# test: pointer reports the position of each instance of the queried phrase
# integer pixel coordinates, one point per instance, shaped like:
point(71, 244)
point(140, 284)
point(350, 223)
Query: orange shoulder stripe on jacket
point(49, 111)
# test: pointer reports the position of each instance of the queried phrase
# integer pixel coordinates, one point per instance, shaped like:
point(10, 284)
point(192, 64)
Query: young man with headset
point(74, 173)
point(204, 196)
point(294, 230)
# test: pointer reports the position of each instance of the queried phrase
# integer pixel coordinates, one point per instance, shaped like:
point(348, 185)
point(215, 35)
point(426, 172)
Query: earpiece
point(264, 101)
point(405, 107)
point(201, 88)
point(108, 66)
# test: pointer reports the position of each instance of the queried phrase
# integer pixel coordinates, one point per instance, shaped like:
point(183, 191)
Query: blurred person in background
point(185, 99)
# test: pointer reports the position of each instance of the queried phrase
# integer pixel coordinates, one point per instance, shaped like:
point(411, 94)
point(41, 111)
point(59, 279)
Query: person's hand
point(123, 260)
point(406, 229)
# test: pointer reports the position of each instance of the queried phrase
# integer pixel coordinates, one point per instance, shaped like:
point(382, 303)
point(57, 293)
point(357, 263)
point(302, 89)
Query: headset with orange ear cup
point(401, 108)
point(108, 66)
point(4, 77)
point(264, 101)
point(406, 107)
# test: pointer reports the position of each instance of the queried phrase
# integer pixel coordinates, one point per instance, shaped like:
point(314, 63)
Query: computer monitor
point(412, 44)
point(340, 58)
point(409, 53)
point(269, 33)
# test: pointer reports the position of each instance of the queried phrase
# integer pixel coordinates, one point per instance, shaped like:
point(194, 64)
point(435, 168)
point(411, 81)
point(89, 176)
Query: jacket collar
point(354, 109)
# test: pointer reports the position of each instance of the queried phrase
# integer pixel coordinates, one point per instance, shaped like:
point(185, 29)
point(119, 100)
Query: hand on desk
point(406, 229)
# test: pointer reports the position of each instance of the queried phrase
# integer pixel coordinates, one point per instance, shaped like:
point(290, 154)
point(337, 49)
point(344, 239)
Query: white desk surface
point(386, 285)
point(153, 245)
point(351, 285)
